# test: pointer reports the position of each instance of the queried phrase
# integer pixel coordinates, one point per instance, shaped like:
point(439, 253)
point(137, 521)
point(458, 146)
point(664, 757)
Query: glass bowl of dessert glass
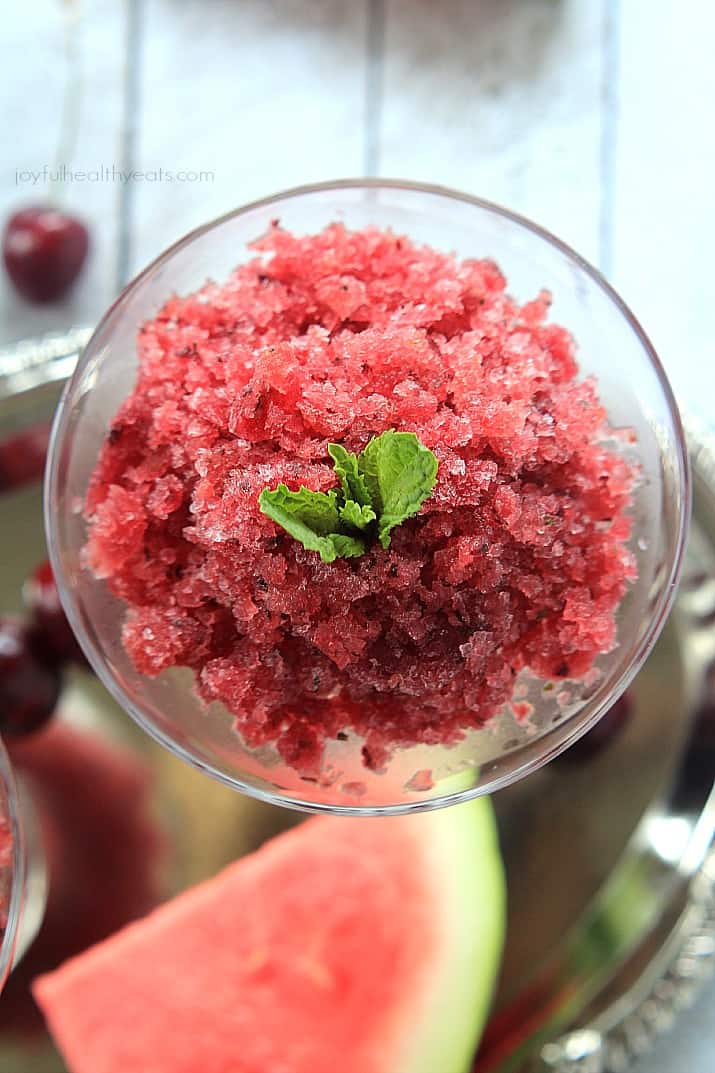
point(22, 870)
point(12, 867)
point(477, 497)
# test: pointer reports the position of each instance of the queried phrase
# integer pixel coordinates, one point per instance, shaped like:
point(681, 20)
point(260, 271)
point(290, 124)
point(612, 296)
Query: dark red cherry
point(50, 633)
point(22, 457)
point(601, 735)
point(44, 251)
point(29, 689)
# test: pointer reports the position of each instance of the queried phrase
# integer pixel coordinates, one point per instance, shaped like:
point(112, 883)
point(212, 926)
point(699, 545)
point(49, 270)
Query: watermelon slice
point(342, 946)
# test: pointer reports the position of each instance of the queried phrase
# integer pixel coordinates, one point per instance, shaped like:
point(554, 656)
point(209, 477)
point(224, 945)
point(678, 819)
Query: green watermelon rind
point(462, 843)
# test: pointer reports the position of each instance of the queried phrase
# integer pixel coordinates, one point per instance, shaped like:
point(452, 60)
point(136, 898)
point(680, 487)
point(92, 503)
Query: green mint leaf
point(309, 517)
point(367, 468)
point(346, 547)
point(346, 466)
point(351, 513)
point(399, 474)
point(387, 483)
point(316, 510)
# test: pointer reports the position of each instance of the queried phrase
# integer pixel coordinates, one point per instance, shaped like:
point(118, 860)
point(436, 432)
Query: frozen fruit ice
point(6, 871)
point(518, 560)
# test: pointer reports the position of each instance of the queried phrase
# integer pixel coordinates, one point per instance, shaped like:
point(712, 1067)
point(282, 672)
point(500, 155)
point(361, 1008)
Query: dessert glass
point(612, 347)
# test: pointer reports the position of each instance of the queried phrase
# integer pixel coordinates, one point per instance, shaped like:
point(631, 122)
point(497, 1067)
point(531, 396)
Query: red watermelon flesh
point(342, 946)
point(103, 845)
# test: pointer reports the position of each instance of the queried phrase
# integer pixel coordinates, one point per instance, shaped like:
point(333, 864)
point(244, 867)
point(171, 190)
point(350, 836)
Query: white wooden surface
point(31, 90)
point(592, 116)
point(269, 94)
point(663, 221)
point(501, 99)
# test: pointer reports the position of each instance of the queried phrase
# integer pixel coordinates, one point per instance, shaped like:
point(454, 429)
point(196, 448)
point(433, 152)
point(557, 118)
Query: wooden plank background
point(592, 116)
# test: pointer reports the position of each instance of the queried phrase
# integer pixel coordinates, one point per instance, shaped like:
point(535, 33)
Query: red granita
point(6, 862)
point(517, 560)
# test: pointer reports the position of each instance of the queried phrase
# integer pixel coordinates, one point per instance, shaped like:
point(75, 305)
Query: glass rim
point(19, 862)
point(560, 737)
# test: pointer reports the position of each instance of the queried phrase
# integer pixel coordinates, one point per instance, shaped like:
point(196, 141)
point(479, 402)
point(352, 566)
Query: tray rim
point(685, 958)
point(684, 961)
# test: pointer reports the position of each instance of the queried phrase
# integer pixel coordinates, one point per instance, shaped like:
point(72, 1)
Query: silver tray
point(610, 865)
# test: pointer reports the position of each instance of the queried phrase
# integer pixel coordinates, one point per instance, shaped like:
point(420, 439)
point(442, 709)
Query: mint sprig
point(379, 489)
